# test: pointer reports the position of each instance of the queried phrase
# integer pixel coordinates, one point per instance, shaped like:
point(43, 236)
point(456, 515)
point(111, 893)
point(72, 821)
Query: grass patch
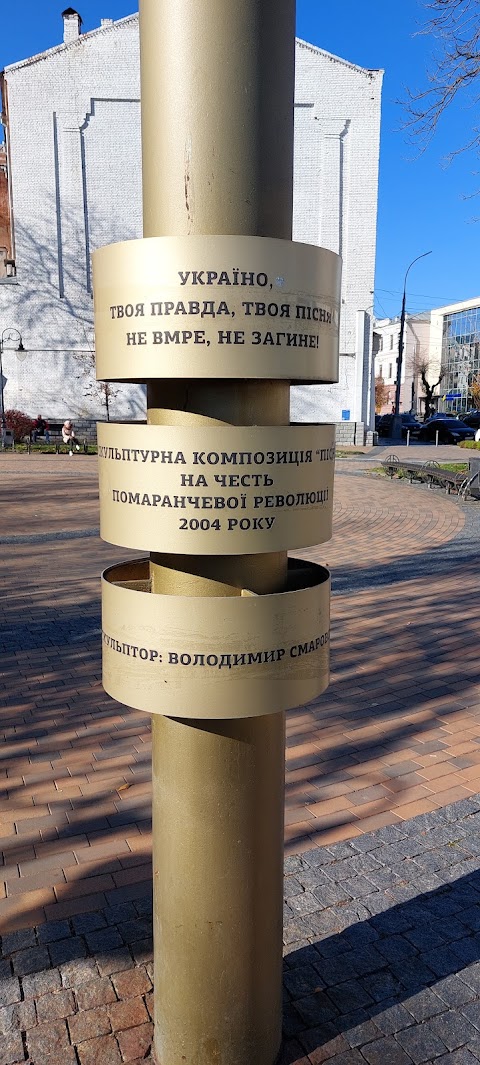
point(47, 449)
point(454, 467)
point(339, 454)
point(384, 473)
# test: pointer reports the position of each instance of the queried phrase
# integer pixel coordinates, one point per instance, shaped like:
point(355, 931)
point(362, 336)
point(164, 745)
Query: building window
point(460, 356)
point(391, 341)
point(390, 371)
point(380, 371)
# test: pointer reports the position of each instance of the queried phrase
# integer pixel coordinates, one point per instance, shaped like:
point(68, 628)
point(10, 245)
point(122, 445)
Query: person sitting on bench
point(68, 437)
point(40, 428)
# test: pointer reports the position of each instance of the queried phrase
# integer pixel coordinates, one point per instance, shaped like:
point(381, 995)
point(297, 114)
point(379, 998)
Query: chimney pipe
point(72, 23)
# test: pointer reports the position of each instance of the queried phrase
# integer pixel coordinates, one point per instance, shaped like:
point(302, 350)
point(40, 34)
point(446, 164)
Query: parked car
point(473, 419)
point(450, 430)
point(409, 423)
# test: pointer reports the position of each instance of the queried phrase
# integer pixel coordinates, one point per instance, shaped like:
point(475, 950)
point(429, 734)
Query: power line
point(382, 308)
point(421, 295)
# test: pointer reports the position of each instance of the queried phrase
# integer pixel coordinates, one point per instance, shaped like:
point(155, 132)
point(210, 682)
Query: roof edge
point(57, 48)
point(337, 59)
point(41, 56)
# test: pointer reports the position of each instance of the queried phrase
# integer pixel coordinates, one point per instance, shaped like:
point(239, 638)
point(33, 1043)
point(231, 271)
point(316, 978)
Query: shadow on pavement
point(399, 973)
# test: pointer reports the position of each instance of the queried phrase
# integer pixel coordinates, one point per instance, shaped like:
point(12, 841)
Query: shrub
point(470, 444)
point(20, 424)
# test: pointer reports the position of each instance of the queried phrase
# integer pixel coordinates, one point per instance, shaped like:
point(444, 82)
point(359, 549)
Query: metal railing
point(434, 476)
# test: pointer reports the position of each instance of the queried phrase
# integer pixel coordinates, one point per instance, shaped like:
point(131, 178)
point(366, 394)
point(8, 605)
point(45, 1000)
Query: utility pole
point(396, 428)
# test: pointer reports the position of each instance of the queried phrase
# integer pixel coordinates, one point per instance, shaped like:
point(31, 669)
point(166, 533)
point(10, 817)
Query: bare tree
point(381, 394)
point(97, 389)
point(474, 390)
point(101, 390)
point(429, 389)
point(455, 26)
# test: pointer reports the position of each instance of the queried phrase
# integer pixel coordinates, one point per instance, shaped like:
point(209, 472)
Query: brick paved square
point(101, 1051)
point(386, 1052)
point(454, 991)
point(66, 950)
point(77, 973)
point(136, 1042)
point(136, 931)
point(458, 1057)
point(104, 939)
point(11, 1048)
point(49, 1043)
point(115, 961)
point(97, 992)
point(127, 1014)
point(453, 1029)
point(143, 951)
point(421, 1042)
point(320, 1048)
point(31, 960)
point(393, 1019)
point(41, 983)
point(56, 1006)
point(18, 1016)
point(472, 1012)
point(9, 990)
point(20, 940)
point(471, 976)
point(365, 1031)
point(89, 1024)
point(131, 983)
point(48, 933)
point(349, 996)
point(392, 910)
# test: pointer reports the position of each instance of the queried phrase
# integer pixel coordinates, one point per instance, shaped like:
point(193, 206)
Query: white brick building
point(337, 128)
point(72, 127)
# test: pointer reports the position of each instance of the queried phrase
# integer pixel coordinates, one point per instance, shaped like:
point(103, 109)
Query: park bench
point(429, 473)
point(55, 431)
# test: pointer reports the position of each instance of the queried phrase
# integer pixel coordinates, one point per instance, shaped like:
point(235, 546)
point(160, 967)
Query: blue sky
point(423, 203)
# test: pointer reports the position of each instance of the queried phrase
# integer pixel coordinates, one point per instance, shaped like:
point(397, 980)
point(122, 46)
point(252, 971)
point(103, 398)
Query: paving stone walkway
point(383, 822)
point(382, 960)
point(383, 951)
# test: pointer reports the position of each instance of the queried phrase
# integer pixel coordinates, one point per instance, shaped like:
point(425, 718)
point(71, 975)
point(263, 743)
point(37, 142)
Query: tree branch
point(455, 26)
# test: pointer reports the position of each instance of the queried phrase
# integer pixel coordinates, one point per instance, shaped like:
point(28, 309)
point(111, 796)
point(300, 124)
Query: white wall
point(337, 133)
point(75, 168)
point(74, 153)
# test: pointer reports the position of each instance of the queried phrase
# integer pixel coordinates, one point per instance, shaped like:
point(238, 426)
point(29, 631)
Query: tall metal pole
point(217, 125)
point(2, 406)
point(397, 419)
point(217, 595)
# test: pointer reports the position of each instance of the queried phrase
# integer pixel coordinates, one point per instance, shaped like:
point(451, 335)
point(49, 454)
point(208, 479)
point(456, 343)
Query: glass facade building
point(460, 358)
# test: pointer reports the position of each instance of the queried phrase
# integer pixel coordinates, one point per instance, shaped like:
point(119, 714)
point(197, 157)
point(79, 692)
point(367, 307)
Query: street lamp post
point(397, 418)
point(12, 335)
